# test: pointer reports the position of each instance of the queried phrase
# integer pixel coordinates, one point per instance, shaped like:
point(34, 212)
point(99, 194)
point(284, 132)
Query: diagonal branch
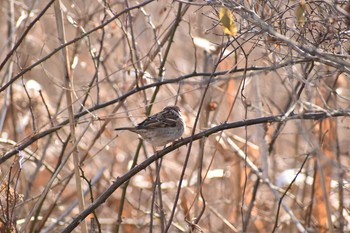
point(225, 126)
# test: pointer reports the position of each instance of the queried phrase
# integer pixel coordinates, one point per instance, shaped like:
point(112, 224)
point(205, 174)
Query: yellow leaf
point(227, 22)
point(300, 13)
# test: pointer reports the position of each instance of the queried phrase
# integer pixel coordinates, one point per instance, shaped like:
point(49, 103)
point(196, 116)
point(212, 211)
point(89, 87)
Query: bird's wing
point(160, 120)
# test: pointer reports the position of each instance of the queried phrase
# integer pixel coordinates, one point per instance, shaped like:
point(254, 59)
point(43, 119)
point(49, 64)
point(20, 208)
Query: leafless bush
point(266, 147)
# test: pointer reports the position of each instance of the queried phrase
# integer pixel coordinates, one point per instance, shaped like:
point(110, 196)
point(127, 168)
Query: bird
point(161, 128)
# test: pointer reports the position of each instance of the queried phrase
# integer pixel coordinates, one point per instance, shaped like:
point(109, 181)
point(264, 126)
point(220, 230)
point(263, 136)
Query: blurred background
point(67, 82)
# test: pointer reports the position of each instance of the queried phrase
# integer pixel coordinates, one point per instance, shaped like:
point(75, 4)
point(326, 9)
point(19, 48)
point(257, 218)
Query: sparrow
point(161, 128)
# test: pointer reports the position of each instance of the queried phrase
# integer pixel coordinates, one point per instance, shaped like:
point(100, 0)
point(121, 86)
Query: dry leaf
point(300, 13)
point(227, 22)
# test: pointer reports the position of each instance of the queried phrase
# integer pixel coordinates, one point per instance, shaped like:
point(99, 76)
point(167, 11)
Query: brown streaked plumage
point(161, 128)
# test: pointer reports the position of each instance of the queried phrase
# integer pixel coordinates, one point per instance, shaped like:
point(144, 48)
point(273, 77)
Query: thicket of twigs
point(263, 87)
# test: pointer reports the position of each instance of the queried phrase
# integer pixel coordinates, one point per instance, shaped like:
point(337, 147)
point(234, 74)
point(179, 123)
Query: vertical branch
point(11, 44)
point(261, 132)
point(68, 89)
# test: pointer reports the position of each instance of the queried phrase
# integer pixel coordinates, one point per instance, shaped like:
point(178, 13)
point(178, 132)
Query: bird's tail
point(125, 128)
